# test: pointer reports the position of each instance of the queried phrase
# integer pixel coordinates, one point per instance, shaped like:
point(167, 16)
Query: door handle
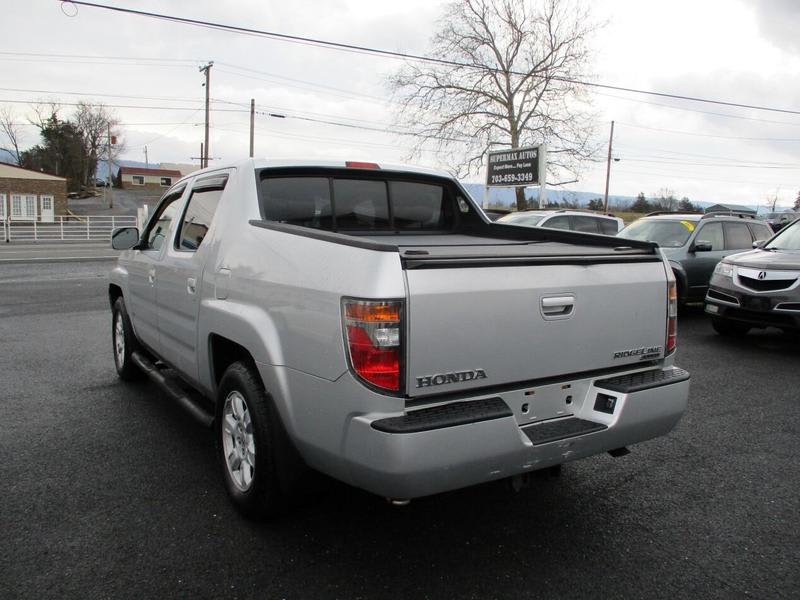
point(557, 307)
point(151, 276)
point(191, 285)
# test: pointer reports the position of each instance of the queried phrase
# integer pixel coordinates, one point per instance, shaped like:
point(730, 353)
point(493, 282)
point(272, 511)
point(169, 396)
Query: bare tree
point(94, 122)
point(12, 130)
point(510, 79)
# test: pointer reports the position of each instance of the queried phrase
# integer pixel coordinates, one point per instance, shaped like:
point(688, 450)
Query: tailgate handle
point(558, 307)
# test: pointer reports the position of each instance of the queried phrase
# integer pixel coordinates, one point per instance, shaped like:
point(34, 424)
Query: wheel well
point(224, 353)
point(114, 292)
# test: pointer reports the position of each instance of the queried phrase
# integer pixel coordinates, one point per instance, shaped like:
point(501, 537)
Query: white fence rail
point(64, 228)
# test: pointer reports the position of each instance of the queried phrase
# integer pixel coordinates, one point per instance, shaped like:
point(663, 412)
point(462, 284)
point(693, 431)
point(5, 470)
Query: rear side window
point(759, 231)
point(357, 204)
point(197, 218)
point(560, 222)
point(585, 224)
point(737, 236)
point(608, 227)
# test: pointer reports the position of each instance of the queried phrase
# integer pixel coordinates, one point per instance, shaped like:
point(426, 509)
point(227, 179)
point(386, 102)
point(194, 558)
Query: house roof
point(13, 172)
point(731, 207)
point(144, 171)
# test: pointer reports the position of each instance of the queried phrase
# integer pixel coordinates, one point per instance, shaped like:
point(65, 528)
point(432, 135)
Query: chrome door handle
point(191, 285)
point(557, 307)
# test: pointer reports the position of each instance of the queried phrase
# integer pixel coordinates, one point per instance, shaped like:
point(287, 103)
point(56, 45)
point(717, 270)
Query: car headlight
point(724, 269)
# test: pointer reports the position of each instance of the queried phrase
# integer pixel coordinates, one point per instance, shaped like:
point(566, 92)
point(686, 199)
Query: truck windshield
point(787, 239)
point(521, 218)
point(667, 234)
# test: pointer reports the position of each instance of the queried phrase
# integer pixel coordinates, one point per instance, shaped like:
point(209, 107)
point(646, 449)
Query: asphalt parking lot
point(109, 491)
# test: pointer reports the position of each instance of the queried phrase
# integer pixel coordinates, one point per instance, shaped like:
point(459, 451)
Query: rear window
point(340, 203)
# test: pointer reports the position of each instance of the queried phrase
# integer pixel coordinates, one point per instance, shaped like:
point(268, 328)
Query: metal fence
point(64, 228)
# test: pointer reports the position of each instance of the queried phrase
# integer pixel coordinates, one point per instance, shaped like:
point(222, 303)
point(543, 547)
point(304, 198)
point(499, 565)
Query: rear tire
point(124, 343)
point(251, 444)
point(729, 328)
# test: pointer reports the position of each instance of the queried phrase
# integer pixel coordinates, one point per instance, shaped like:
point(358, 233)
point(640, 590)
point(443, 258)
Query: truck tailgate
point(476, 326)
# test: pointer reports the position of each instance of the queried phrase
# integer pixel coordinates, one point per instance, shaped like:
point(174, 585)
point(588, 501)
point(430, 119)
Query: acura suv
point(759, 288)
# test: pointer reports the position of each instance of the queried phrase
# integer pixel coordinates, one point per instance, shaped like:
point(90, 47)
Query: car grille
point(715, 295)
point(766, 285)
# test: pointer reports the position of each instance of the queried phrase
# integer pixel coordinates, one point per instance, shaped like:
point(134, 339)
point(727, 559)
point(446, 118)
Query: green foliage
point(596, 204)
point(641, 205)
point(60, 153)
point(685, 205)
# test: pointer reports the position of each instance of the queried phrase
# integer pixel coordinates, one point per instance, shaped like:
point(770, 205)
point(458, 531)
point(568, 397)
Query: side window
point(559, 222)
point(585, 224)
point(711, 232)
point(759, 231)
point(159, 225)
point(608, 227)
point(737, 236)
point(197, 218)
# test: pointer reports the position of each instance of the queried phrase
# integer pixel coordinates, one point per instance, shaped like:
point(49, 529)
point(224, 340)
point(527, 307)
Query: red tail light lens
point(373, 333)
point(672, 318)
point(354, 164)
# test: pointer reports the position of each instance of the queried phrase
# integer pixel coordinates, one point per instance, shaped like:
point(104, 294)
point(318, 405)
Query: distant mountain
point(507, 197)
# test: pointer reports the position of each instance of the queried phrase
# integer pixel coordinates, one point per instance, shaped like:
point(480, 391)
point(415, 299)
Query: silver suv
point(572, 220)
point(758, 288)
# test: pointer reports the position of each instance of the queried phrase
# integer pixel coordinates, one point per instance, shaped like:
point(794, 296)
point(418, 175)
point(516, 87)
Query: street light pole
point(608, 168)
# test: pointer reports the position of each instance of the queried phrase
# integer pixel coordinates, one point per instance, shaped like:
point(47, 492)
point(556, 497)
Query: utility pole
point(608, 167)
point(207, 70)
point(146, 161)
point(110, 181)
point(252, 124)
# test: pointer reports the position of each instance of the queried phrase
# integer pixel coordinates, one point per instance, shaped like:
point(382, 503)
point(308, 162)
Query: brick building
point(140, 177)
point(29, 195)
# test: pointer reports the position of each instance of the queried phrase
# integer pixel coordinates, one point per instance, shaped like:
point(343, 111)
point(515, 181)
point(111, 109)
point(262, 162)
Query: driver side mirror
point(702, 246)
point(759, 243)
point(124, 238)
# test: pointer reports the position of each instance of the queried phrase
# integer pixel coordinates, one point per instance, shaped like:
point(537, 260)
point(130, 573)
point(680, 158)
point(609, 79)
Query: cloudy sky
point(744, 51)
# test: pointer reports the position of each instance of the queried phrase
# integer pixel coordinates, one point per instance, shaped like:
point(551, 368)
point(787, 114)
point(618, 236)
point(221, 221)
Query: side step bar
point(184, 399)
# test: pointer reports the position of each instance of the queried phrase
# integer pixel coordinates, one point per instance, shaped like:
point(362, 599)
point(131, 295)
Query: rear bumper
point(481, 439)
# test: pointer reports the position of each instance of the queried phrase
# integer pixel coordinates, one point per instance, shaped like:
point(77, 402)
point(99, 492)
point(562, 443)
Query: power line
point(711, 135)
point(183, 108)
point(696, 164)
point(408, 56)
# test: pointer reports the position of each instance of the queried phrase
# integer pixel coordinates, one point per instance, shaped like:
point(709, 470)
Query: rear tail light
point(672, 317)
point(373, 333)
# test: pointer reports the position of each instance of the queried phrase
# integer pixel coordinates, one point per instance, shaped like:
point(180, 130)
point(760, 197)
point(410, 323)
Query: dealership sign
point(517, 167)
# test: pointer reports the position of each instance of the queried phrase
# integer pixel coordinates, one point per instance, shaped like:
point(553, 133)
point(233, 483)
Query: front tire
point(248, 436)
point(729, 328)
point(124, 343)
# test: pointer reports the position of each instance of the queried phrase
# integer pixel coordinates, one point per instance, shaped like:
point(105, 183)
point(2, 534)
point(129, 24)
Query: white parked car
point(573, 220)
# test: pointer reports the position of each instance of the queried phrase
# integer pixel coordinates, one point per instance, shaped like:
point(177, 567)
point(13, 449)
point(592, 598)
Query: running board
point(185, 399)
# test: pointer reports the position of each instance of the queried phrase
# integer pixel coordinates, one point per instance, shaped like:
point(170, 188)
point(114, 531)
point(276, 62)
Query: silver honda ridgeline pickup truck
point(370, 323)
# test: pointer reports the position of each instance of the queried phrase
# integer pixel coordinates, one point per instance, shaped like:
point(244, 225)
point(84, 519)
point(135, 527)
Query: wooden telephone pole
point(207, 70)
